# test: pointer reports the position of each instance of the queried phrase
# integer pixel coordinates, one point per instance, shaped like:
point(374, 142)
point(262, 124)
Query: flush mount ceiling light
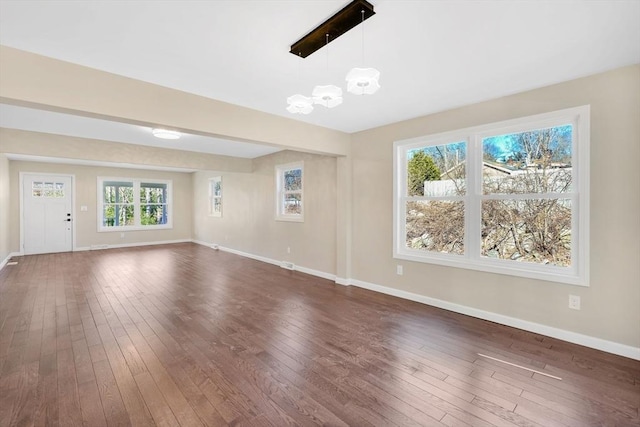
point(165, 134)
point(299, 104)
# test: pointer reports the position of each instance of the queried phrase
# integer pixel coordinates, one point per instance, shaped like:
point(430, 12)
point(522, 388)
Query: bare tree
point(535, 229)
point(533, 226)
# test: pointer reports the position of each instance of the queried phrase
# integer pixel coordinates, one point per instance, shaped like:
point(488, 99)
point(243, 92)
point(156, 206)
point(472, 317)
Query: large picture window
point(290, 192)
point(509, 197)
point(132, 204)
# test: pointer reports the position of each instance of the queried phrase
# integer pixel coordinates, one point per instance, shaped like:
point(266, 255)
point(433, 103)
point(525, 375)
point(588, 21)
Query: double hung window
point(509, 197)
point(133, 204)
point(289, 192)
point(215, 196)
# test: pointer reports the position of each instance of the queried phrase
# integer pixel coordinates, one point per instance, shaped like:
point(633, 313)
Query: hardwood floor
point(185, 335)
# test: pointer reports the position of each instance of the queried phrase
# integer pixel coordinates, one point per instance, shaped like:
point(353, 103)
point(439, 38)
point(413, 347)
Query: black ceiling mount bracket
point(344, 20)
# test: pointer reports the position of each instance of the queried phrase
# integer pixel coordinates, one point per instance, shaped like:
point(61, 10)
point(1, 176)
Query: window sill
point(511, 268)
point(135, 228)
point(290, 218)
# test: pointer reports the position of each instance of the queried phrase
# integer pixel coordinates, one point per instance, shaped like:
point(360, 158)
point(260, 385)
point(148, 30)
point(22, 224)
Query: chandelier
point(360, 81)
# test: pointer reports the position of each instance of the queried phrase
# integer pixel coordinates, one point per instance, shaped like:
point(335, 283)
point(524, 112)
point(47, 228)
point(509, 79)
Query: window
point(47, 189)
point(509, 197)
point(131, 204)
point(215, 196)
point(289, 192)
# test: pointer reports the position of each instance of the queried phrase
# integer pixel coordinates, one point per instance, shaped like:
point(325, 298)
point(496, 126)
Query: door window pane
point(59, 189)
point(37, 189)
point(48, 189)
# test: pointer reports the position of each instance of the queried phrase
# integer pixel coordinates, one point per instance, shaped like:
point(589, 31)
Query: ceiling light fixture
point(165, 134)
point(363, 81)
point(299, 104)
point(360, 80)
point(328, 95)
point(344, 20)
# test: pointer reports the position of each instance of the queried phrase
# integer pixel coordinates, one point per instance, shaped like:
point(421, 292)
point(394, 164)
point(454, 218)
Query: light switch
point(83, 208)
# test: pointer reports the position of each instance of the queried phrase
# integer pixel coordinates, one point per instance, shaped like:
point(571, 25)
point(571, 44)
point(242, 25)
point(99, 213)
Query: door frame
point(73, 206)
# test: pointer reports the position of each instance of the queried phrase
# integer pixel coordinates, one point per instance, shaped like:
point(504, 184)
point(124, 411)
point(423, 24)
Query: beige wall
point(4, 208)
point(86, 194)
point(348, 225)
point(33, 80)
point(43, 144)
point(610, 304)
point(248, 222)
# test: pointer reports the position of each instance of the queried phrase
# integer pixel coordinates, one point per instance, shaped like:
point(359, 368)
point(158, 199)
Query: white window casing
point(290, 192)
point(146, 206)
point(215, 196)
point(574, 195)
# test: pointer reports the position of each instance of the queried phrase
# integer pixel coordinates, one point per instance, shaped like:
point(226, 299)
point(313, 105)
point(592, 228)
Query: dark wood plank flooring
point(185, 335)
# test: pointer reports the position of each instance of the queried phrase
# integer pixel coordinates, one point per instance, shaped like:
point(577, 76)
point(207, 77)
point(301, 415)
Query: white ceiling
point(22, 118)
point(432, 55)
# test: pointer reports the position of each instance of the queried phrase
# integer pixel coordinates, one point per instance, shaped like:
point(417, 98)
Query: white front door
point(47, 208)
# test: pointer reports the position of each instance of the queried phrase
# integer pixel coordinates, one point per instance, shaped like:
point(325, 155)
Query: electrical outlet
point(574, 302)
point(399, 270)
point(83, 208)
point(288, 250)
point(122, 235)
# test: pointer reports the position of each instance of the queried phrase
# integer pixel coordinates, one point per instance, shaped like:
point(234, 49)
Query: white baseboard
point(342, 281)
point(316, 273)
point(573, 337)
point(248, 255)
point(129, 245)
point(299, 268)
point(6, 260)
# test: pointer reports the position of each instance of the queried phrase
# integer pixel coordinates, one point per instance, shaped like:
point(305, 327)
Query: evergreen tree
point(421, 168)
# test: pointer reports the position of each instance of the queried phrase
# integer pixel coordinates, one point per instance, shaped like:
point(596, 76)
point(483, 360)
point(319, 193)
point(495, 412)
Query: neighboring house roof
point(504, 168)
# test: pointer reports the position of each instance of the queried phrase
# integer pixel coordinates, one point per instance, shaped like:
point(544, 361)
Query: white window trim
point(279, 172)
point(136, 205)
point(577, 273)
point(212, 197)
